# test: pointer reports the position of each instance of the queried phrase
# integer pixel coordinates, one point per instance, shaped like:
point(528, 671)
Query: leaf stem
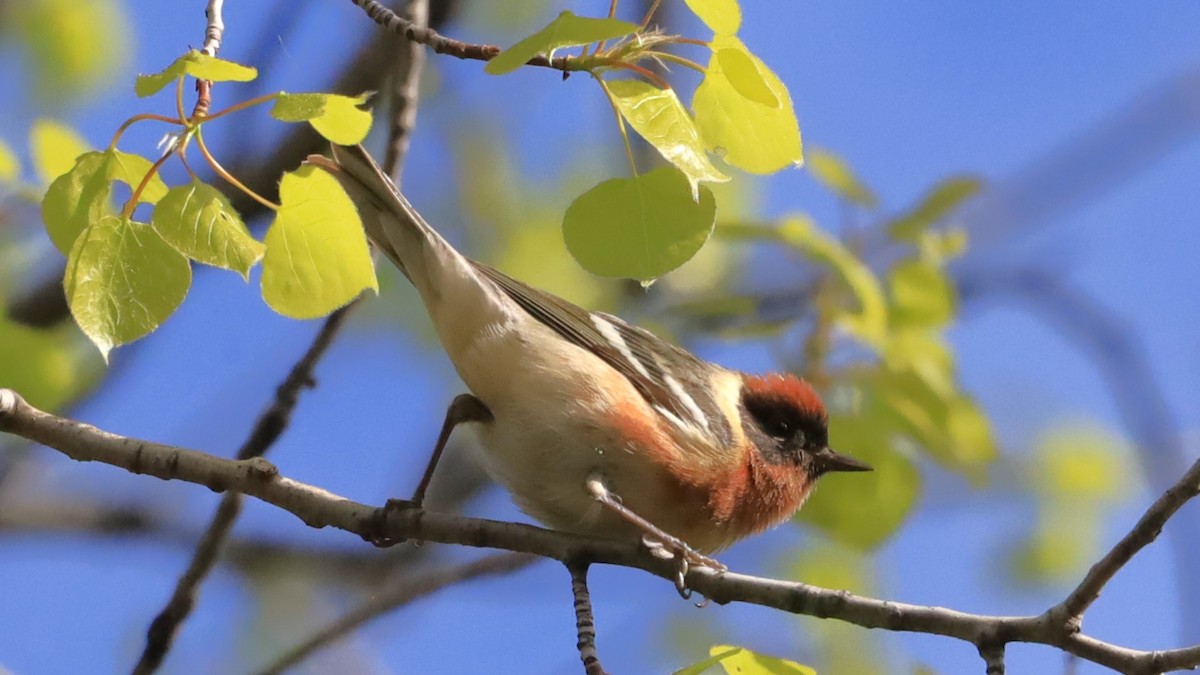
point(644, 72)
point(179, 99)
point(250, 103)
point(620, 123)
point(138, 118)
point(649, 14)
point(674, 58)
point(127, 212)
point(220, 171)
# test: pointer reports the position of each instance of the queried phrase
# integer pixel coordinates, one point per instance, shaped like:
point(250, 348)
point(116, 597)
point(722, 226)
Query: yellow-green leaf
point(942, 200)
point(37, 363)
point(661, 119)
point(338, 118)
point(567, 30)
point(863, 509)
point(869, 324)
point(733, 118)
point(76, 45)
point(742, 661)
point(80, 197)
point(1078, 464)
point(743, 74)
point(10, 166)
point(922, 295)
point(317, 257)
point(123, 281)
point(724, 17)
point(834, 173)
point(640, 228)
point(54, 147)
point(200, 66)
point(199, 221)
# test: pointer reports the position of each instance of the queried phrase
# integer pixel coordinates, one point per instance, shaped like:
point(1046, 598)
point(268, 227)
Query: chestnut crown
point(785, 419)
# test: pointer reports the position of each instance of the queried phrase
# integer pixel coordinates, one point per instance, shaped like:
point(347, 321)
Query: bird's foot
point(379, 536)
point(686, 557)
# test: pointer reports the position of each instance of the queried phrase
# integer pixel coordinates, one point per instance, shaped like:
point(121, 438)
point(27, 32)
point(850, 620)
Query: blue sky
point(907, 92)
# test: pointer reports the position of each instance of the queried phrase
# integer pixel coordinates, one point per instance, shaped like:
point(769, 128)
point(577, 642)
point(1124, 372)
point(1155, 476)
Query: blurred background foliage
point(867, 290)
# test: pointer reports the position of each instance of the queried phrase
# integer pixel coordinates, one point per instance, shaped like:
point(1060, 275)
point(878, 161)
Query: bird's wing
point(672, 380)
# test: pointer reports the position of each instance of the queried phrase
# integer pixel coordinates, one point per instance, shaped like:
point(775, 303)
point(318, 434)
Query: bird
point(596, 426)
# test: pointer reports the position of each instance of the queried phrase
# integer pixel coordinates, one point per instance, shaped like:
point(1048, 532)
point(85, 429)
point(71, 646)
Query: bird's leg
point(654, 538)
point(464, 408)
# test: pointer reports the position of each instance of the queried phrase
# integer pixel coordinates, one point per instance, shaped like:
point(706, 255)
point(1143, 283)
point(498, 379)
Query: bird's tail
point(460, 303)
point(392, 223)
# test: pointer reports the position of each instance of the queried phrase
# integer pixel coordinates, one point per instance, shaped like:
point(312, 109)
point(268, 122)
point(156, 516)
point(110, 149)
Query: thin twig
point(319, 508)
point(585, 621)
point(993, 658)
point(214, 32)
point(441, 44)
point(412, 587)
point(266, 431)
point(405, 89)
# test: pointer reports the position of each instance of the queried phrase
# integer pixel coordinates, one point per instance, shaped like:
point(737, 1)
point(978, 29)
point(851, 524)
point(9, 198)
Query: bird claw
point(379, 536)
point(686, 557)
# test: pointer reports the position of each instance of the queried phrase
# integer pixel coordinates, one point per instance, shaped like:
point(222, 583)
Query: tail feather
point(462, 305)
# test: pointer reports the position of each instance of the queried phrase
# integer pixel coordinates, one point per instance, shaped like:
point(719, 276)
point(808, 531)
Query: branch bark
point(319, 508)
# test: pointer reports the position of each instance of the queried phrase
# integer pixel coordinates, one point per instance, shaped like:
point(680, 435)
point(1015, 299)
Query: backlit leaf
point(37, 363)
point(735, 116)
point(200, 66)
point(661, 119)
point(742, 661)
point(317, 258)
point(338, 118)
point(10, 166)
point(724, 17)
point(80, 197)
point(123, 281)
point(834, 173)
point(76, 45)
point(869, 324)
point(922, 294)
point(942, 200)
point(54, 147)
point(640, 228)
point(198, 220)
point(567, 30)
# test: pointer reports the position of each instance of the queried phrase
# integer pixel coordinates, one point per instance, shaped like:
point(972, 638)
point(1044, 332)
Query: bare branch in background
point(319, 508)
point(398, 593)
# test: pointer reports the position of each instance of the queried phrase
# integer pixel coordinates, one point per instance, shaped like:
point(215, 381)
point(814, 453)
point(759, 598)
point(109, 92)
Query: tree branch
point(319, 508)
point(397, 595)
point(440, 44)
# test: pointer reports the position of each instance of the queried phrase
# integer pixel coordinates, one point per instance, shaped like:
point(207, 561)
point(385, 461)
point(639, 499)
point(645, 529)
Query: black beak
point(831, 460)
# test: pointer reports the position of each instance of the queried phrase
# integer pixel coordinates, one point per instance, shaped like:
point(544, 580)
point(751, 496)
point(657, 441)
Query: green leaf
point(123, 281)
point(742, 661)
point(37, 363)
point(80, 197)
point(734, 116)
point(942, 200)
point(922, 295)
point(339, 119)
point(661, 119)
point(199, 221)
point(10, 166)
point(834, 173)
point(567, 30)
point(863, 510)
point(869, 324)
point(640, 228)
point(724, 17)
point(317, 257)
point(743, 74)
point(200, 66)
point(1079, 463)
point(76, 45)
point(54, 147)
